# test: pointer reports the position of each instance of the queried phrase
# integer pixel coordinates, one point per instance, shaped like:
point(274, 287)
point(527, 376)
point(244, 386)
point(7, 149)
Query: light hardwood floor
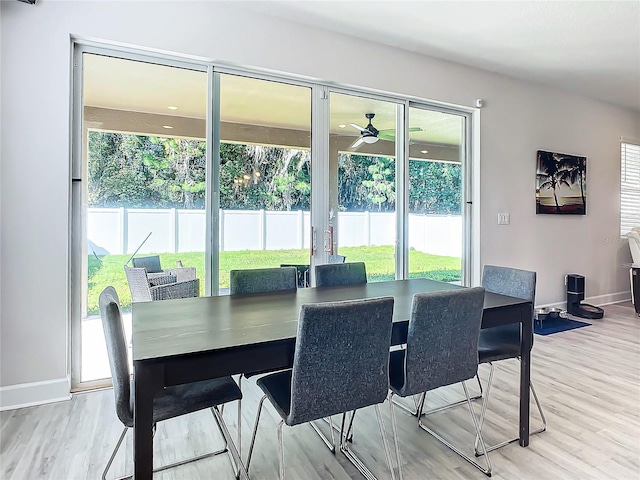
point(588, 380)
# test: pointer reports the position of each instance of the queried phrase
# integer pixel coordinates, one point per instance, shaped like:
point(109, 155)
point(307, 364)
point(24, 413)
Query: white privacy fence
point(119, 231)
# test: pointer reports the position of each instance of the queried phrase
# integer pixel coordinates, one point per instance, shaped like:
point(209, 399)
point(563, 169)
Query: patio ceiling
point(139, 97)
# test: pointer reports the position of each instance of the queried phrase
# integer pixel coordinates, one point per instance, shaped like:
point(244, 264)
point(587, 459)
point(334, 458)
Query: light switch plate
point(504, 219)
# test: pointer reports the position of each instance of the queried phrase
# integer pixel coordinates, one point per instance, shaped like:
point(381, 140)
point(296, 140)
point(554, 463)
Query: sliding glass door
point(265, 175)
point(138, 186)
point(221, 168)
point(362, 183)
point(436, 169)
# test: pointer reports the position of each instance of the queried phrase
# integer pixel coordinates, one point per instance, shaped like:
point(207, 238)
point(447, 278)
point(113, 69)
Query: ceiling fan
point(371, 134)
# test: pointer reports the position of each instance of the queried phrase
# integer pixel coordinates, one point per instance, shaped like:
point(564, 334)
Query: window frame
point(629, 185)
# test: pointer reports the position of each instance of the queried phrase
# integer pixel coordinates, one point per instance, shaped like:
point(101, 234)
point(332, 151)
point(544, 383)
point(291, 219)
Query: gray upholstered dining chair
point(336, 259)
point(340, 365)
point(170, 402)
point(262, 280)
point(502, 343)
point(142, 290)
point(336, 274)
point(442, 350)
point(259, 280)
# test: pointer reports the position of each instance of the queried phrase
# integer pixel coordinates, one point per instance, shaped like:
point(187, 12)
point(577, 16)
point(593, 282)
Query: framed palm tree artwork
point(561, 184)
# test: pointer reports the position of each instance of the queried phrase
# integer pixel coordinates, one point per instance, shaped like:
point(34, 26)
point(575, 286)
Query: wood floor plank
point(588, 380)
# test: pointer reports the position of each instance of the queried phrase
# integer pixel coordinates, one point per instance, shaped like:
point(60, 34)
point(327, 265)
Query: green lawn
point(379, 260)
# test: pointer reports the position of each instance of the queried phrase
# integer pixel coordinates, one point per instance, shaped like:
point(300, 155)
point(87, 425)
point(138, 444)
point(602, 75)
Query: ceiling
point(170, 94)
point(588, 47)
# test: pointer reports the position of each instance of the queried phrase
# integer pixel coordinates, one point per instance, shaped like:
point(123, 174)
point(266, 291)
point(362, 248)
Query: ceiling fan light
point(370, 139)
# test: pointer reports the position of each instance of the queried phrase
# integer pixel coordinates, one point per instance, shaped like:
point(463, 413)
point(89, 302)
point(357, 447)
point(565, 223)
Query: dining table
point(194, 339)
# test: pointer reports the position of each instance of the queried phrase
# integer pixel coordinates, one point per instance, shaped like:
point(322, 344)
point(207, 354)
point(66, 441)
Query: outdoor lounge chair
point(158, 276)
point(143, 291)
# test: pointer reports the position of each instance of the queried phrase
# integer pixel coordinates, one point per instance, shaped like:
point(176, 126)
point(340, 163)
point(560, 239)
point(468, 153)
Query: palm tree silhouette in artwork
point(575, 169)
point(550, 168)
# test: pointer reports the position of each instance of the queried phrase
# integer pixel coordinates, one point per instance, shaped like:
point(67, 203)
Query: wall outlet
point(504, 219)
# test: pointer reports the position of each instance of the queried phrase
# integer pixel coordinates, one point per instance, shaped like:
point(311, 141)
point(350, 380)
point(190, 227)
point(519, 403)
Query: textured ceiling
point(588, 47)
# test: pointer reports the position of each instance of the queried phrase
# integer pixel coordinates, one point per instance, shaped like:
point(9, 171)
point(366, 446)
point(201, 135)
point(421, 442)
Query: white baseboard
point(598, 300)
point(34, 393)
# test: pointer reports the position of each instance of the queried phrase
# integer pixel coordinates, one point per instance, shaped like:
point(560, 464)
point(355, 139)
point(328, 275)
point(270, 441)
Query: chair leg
point(458, 402)
point(409, 410)
point(491, 448)
point(240, 417)
point(281, 449)
point(255, 431)
point(353, 458)
point(447, 406)
point(486, 470)
point(394, 427)
point(336, 428)
point(542, 417)
point(226, 449)
point(331, 444)
point(230, 448)
point(483, 411)
point(113, 455)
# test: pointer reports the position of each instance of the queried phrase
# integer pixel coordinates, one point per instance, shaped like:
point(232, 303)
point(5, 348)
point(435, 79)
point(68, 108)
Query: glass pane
point(265, 175)
point(435, 196)
point(144, 129)
point(363, 182)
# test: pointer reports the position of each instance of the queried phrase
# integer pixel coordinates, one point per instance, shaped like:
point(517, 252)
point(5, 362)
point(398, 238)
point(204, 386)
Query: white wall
point(519, 118)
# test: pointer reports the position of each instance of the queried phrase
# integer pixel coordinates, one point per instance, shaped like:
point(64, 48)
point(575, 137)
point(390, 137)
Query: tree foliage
point(154, 172)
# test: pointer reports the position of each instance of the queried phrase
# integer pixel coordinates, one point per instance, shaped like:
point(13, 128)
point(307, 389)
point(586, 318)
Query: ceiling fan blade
point(386, 136)
point(358, 127)
point(412, 129)
point(359, 141)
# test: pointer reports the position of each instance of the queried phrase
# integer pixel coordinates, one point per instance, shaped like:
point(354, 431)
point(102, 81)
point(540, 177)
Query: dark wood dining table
point(188, 340)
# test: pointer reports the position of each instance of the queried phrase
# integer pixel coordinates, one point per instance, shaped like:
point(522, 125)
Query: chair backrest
point(260, 280)
point(302, 272)
point(634, 245)
point(332, 275)
point(442, 341)
point(515, 283)
point(152, 264)
point(117, 351)
point(510, 281)
point(341, 359)
point(336, 259)
point(138, 284)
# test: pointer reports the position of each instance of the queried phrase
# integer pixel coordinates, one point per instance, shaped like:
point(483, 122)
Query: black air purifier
point(575, 295)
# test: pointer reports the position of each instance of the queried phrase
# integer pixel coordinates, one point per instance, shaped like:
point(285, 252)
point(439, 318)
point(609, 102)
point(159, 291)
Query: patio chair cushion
point(151, 264)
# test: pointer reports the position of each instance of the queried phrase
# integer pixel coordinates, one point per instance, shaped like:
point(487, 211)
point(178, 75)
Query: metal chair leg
point(228, 448)
point(442, 407)
point(353, 458)
point(486, 470)
point(331, 444)
point(409, 410)
point(281, 449)
point(394, 427)
point(113, 455)
point(336, 428)
point(240, 417)
point(491, 448)
point(255, 430)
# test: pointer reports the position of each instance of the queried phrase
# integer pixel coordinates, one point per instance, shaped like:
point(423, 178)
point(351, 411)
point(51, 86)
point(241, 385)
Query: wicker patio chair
point(141, 291)
point(159, 276)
